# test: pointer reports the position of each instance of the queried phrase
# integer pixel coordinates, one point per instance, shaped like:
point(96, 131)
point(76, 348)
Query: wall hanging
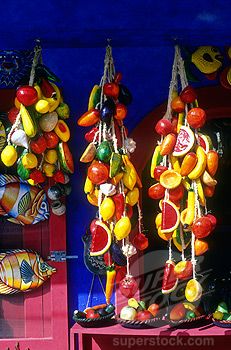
point(112, 185)
point(22, 270)
point(37, 149)
point(183, 166)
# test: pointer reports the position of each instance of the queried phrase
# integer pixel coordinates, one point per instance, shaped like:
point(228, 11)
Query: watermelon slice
point(205, 142)
point(101, 239)
point(185, 141)
point(170, 216)
point(169, 280)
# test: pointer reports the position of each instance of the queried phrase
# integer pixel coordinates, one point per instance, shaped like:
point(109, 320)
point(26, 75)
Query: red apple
point(163, 127)
point(156, 191)
point(176, 194)
point(111, 89)
point(188, 95)
point(140, 241)
point(27, 95)
point(159, 169)
point(213, 220)
point(202, 227)
point(143, 315)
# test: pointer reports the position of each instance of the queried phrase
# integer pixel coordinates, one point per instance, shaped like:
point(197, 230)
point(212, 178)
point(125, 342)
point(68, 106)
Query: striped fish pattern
point(22, 270)
point(21, 203)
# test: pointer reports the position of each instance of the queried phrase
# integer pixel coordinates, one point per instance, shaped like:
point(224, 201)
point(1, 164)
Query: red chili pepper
point(119, 205)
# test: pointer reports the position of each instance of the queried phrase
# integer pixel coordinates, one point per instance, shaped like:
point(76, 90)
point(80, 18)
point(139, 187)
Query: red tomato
point(196, 117)
point(156, 191)
point(91, 313)
point(163, 127)
point(39, 145)
point(159, 169)
point(51, 138)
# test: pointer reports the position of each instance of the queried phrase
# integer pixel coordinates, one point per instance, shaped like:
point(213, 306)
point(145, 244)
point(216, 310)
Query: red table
point(117, 337)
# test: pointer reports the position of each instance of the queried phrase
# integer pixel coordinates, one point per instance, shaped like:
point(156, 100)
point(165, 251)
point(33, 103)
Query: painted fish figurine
point(207, 59)
point(21, 203)
point(22, 270)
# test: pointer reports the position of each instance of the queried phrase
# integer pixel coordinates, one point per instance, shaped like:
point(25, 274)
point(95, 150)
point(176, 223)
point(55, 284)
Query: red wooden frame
point(45, 309)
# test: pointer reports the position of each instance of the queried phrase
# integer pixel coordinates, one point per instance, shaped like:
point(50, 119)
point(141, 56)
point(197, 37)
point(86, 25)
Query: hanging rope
point(37, 57)
point(172, 87)
point(170, 249)
point(140, 217)
point(90, 291)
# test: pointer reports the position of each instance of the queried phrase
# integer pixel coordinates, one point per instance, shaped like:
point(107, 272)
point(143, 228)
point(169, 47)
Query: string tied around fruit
point(17, 122)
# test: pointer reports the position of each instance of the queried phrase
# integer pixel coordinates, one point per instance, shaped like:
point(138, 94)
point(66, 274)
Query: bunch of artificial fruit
point(222, 312)
point(112, 184)
point(183, 166)
point(37, 140)
point(137, 310)
point(184, 311)
point(94, 312)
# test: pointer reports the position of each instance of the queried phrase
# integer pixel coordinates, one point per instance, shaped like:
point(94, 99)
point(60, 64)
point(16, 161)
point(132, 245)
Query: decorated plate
point(152, 323)
point(94, 322)
point(222, 324)
point(187, 322)
point(2, 136)
point(223, 78)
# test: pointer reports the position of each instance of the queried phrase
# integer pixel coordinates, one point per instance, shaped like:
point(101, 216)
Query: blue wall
point(146, 72)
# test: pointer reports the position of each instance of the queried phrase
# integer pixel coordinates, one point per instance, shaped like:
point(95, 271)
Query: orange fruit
point(200, 247)
point(170, 179)
point(193, 290)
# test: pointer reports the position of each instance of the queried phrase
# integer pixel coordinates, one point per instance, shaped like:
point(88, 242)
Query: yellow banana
point(39, 91)
point(93, 198)
point(208, 180)
point(180, 121)
point(88, 186)
point(200, 192)
point(116, 179)
point(200, 166)
point(156, 157)
point(53, 102)
point(186, 184)
point(28, 124)
point(190, 209)
point(175, 163)
point(127, 162)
